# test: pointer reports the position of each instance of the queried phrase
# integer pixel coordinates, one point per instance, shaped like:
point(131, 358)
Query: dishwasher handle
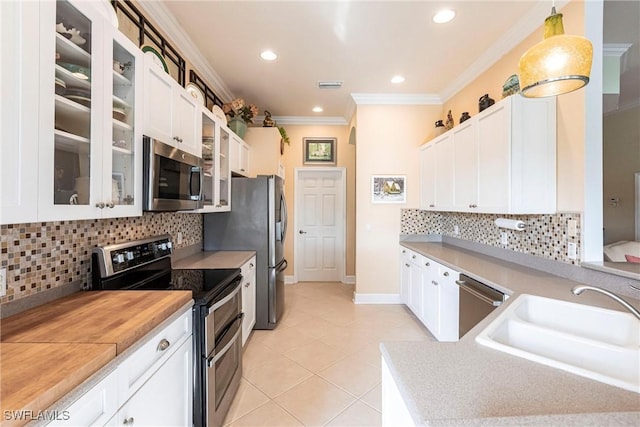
point(464, 286)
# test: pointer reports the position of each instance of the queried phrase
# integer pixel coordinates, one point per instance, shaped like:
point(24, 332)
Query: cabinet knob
point(110, 205)
point(100, 205)
point(163, 345)
point(128, 421)
point(251, 265)
point(473, 206)
point(413, 257)
point(434, 283)
point(445, 274)
point(427, 264)
point(432, 206)
point(404, 251)
point(246, 285)
point(407, 265)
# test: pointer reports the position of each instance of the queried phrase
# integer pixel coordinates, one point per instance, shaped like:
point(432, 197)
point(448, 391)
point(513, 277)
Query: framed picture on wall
point(388, 189)
point(319, 151)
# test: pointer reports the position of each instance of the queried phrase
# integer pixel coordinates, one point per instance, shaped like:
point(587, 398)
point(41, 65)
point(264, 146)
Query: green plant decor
point(283, 134)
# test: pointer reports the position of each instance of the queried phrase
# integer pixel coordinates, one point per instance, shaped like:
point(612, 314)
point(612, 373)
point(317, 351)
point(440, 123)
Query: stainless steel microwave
point(172, 178)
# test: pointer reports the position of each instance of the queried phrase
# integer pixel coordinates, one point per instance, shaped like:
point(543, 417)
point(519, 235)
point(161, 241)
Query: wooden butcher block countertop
point(49, 350)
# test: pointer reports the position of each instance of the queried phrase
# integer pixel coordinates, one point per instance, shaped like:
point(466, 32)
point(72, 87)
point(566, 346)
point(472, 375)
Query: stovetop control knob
point(119, 258)
point(129, 255)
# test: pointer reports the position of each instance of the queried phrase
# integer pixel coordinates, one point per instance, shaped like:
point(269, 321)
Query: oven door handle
point(226, 299)
point(213, 359)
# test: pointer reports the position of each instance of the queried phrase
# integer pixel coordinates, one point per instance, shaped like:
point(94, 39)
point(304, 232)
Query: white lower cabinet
point(166, 398)
point(248, 298)
point(153, 386)
point(394, 410)
point(429, 289)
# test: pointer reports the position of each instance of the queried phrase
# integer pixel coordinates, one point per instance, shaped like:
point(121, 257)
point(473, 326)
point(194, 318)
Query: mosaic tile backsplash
point(545, 236)
point(42, 255)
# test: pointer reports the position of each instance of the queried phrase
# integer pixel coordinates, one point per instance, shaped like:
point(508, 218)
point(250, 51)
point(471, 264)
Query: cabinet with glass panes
point(89, 131)
point(215, 153)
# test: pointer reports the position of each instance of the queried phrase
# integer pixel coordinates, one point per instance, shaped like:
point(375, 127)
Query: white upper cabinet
point(89, 133)
point(171, 114)
point(265, 143)
point(19, 134)
point(217, 174)
point(503, 160)
point(239, 156)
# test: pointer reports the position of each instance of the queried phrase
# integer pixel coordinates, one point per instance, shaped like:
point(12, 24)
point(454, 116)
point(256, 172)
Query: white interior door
point(320, 224)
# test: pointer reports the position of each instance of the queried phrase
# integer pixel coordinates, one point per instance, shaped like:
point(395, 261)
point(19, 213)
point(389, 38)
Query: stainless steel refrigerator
point(257, 222)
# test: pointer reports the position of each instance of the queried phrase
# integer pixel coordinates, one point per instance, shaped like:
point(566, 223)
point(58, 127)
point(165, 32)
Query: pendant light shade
point(559, 64)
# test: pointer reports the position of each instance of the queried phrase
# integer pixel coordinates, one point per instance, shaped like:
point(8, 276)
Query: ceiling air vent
point(330, 85)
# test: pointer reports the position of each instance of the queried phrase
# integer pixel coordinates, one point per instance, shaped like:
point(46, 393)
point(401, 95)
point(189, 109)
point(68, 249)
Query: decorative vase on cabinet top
point(238, 126)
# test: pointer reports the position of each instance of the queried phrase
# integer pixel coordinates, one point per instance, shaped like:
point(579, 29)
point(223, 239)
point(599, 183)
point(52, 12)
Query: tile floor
point(321, 365)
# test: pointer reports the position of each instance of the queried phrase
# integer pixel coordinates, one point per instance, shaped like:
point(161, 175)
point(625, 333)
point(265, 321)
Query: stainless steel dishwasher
point(477, 300)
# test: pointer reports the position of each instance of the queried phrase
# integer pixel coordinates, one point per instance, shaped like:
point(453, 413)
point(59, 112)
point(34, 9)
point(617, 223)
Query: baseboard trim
point(289, 280)
point(376, 298)
point(349, 280)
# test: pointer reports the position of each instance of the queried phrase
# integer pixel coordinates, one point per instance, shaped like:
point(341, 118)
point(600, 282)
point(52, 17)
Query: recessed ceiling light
point(397, 79)
point(317, 109)
point(444, 16)
point(268, 55)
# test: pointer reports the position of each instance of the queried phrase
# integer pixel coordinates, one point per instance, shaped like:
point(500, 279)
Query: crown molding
point(396, 99)
point(518, 32)
point(615, 49)
point(164, 19)
point(308, 120)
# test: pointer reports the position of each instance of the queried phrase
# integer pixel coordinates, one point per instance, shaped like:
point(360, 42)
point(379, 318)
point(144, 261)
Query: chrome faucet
point(577, 290)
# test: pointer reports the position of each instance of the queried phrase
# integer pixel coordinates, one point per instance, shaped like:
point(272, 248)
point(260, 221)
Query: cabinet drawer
point(138, 367)
point(95, 407)
point(248, 268)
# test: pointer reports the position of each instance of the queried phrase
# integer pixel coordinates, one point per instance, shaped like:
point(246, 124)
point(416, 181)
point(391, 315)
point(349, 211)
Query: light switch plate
point(3, 282)
point(456, 230)
point(572, 250)
point(572, 228)
point(179, 238)
point(504, 238)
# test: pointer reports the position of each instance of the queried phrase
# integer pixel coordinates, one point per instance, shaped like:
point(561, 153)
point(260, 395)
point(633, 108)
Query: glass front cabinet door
point(89, 134)
point(217, 175)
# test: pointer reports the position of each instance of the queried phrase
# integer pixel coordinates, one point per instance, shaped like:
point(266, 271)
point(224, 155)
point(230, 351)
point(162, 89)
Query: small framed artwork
point(319, 151)
point(388, 189)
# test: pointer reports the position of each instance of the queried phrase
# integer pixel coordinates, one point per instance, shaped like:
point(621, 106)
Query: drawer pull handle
point(128, 421)
point(251, 265)
point(247, 284)
point(413, 257)
point(446, 274)
point(163, 345)
point(426, 264)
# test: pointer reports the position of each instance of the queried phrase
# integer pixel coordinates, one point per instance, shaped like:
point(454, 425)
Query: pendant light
point(558, 64)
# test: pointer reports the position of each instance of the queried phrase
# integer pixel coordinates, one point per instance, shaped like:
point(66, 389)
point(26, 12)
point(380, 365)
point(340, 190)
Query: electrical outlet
point(572, 228)
point(179, 237)
point(504, 238)
point(572, 250)
point(3, 282)
point(456, 230)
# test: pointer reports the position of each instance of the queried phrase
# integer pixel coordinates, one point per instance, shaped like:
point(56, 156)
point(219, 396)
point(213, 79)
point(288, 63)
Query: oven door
point(223, 373)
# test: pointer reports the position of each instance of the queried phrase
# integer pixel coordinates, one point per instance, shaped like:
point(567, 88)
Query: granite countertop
point(213, 259)
point(464, 383)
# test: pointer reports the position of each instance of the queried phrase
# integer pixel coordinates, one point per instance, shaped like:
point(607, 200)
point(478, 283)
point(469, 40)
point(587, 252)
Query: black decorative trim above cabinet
point(210, 97)
point(148, 34)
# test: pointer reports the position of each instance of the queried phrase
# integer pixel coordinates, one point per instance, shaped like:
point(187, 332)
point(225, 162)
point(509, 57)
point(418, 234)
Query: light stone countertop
point(214, 259)
point(464, 383)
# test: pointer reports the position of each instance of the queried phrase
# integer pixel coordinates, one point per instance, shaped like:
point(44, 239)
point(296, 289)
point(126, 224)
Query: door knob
point(302, 232)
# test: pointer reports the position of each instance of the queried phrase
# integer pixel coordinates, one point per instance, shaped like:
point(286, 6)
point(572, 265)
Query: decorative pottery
point(485, 102)
point(464, 117)
point(268, 122)
point(449, 123)
point(511, 86)
point(238, 126)
point(439, 128)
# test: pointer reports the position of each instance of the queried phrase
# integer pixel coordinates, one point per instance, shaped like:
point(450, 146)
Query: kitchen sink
point(592, 342)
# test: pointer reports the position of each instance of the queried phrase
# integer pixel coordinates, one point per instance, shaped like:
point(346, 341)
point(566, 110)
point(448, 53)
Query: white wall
point(388, 137)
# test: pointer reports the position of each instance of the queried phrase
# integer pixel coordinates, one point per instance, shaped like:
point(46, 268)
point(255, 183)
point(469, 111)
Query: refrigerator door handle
point(285, 216)
point(283, 266)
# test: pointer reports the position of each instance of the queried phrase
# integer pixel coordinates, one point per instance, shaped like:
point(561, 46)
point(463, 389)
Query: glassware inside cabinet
point(123, 144)
point(223, 159)
point(208, 154)
point(72, 101)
